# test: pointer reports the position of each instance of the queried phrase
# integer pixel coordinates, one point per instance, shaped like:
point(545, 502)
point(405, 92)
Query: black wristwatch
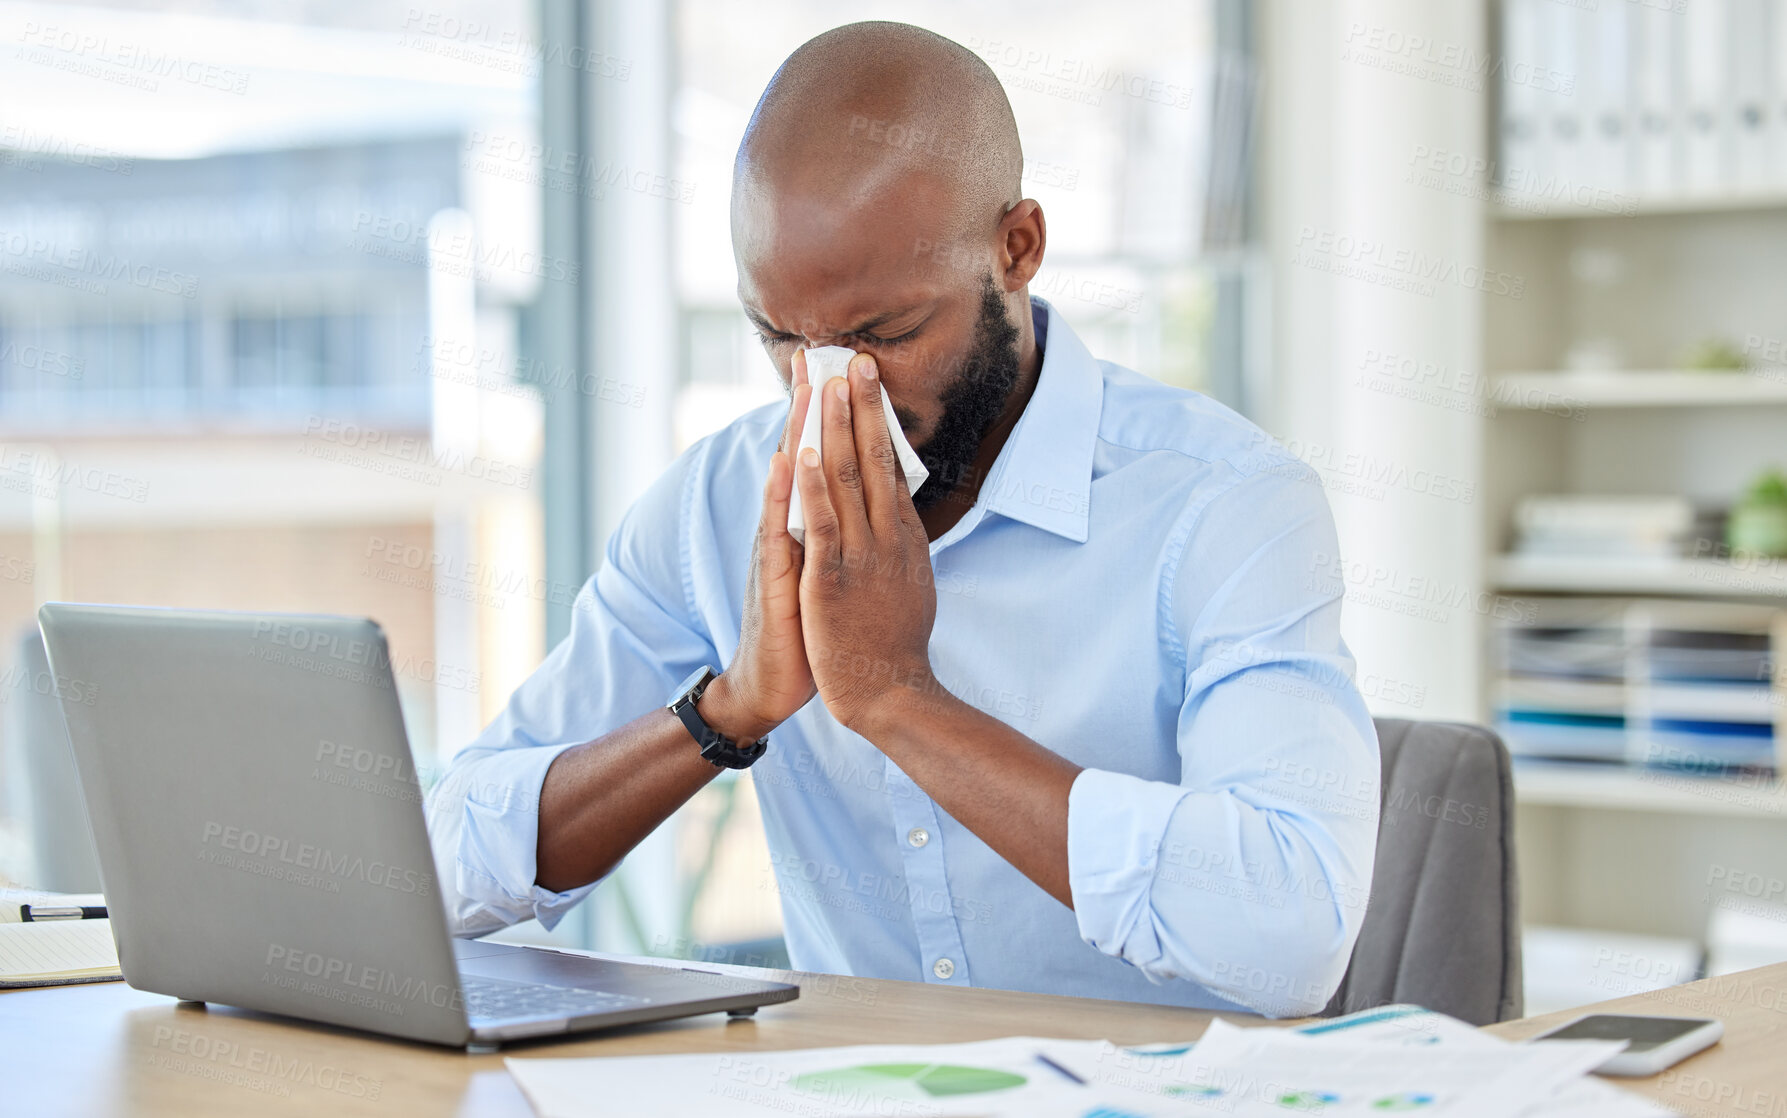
point(716, 747)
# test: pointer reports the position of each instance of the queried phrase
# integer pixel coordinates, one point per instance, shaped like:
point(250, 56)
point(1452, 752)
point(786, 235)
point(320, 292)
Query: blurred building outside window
point(258, 302)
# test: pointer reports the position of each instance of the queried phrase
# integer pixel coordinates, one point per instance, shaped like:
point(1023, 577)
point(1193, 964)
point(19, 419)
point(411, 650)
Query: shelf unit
point(1614, 788)
point(1508, 206)
point(1584, 376)
point(1668, 388)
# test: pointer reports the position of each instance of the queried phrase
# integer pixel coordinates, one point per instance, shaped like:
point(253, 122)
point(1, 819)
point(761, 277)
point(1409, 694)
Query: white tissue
point(823, 364)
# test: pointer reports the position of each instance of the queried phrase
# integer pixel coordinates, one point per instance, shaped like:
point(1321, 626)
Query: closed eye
point(776, 337)
point(872, 340)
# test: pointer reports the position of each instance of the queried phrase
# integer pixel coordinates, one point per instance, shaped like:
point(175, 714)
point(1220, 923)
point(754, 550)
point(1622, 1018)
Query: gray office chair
point(1442, 927)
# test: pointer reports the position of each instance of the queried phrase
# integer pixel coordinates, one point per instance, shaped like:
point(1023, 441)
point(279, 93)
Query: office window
point(224, 285)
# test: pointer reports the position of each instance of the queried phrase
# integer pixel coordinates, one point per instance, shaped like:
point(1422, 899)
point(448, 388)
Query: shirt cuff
point(1115, 823)
point(495, 864)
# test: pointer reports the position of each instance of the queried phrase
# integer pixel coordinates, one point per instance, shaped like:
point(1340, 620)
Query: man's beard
point(972, 401)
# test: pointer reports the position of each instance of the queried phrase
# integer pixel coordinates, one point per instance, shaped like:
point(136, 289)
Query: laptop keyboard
point(495, 999)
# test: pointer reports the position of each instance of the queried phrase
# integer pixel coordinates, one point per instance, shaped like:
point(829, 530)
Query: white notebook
point(54, 952)
point(57, 952)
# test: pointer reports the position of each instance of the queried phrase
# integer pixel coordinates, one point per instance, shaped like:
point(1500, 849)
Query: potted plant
point(1758, 524)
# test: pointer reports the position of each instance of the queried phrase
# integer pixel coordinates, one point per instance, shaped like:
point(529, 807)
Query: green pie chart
point(908, 1080)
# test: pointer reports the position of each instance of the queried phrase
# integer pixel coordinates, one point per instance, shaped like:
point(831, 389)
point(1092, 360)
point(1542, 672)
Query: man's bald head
point(856, 111)
point(877, 204)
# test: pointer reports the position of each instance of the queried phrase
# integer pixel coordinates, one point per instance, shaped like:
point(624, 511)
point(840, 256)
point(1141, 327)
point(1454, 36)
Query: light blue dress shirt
point(1144, 587)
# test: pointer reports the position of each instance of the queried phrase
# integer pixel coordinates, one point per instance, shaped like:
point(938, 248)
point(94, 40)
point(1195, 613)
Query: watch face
point(697, 678)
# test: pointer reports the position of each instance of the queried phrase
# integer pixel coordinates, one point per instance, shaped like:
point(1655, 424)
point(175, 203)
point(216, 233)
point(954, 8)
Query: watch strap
point(716, 748)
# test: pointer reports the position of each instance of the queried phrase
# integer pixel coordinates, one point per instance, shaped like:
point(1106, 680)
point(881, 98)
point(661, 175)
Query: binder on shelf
point(1707, 111)
point(1777, 101)
point(1656, 127)
point(1652, 682)
point(1525, 142)
point(1562, 56)
point(1604, 85)
point(1752, 41)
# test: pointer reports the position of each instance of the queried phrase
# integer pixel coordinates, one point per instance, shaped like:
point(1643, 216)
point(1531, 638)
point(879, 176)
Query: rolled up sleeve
point(634, 635)
point(1248, 877)
point(484, 823)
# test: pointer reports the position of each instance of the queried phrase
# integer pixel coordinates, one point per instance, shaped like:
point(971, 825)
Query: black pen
point(32, 913)
point(1044, 1059)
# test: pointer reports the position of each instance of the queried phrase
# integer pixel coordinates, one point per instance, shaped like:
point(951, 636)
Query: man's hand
point(866, 596)
point(769, 678)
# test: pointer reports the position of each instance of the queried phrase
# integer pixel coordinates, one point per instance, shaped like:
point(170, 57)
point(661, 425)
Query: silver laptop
point(40, 777)
point(262, 843)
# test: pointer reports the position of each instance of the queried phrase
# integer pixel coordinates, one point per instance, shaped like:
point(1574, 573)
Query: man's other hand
point(867, 601)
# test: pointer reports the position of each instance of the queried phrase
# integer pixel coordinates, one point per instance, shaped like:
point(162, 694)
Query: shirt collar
point(1043, 475)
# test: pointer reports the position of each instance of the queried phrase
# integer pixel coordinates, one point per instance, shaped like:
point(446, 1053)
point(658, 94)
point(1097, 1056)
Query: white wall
point(1373, 261)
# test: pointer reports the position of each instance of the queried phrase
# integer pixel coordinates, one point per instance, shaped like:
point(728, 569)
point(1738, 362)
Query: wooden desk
point(1746, 1073)
point(105, 1049)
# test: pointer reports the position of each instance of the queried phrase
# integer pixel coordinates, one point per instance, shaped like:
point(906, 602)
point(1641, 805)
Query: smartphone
point(1652, 1043)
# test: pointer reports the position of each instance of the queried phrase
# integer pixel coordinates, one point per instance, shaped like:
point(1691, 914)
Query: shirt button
point(943, 968)
point(918, 836)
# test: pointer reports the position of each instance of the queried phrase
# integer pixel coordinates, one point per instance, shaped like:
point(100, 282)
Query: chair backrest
point(1442, 927)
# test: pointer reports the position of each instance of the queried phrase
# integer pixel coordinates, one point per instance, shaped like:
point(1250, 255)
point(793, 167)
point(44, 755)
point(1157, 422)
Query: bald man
point(1085, 723)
